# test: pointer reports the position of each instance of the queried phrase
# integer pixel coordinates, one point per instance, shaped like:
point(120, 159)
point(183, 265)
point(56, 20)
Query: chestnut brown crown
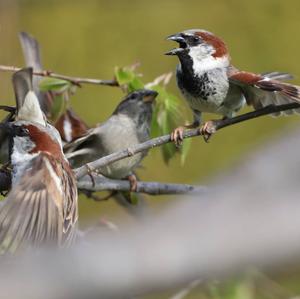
point(197, 38)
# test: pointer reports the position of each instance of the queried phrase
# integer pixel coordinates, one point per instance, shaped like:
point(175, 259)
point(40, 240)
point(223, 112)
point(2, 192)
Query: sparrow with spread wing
point(210, 83)
point(41, 207)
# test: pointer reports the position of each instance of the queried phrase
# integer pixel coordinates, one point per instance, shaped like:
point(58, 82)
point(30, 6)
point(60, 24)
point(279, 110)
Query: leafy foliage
point(53, 84)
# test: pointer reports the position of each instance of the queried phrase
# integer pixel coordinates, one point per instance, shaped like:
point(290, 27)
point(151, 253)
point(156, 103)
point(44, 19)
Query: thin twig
point(255, 114)
point(73, 80)
point(7, 108)
point(158, 141)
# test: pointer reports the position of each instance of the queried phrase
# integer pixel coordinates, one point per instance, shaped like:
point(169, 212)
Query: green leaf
point(185, 148)
point(53, 84)
point(166, 117)
point(131, 197)
point(168, 151)
point(135, 84)
point(123, 76)
point(129, 79)
point(58, 107)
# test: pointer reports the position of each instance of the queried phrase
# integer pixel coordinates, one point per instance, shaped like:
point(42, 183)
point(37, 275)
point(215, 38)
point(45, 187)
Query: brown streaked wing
point(261, 91)
point(70, 205)
point(32, 213)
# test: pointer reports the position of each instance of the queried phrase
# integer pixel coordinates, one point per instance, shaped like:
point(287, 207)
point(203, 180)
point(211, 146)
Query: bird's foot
point(133, 182)
point(177, 136)
point(90, 172)
point(207, 129)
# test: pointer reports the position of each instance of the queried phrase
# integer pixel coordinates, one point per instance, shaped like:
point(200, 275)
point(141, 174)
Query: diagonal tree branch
point(102, 183)
point(73, 80)
point(158, 141)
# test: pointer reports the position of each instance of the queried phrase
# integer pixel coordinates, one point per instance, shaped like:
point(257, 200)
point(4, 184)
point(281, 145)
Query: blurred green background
point(89, 38)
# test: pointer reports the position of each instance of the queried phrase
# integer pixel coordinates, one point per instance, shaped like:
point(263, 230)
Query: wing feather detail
point(267, 89)
point(34, 213)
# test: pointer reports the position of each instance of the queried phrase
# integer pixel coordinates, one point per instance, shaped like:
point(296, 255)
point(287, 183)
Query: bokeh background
point(90, 38)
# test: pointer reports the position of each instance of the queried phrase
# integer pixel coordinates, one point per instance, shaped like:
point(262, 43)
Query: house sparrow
point(210, 83)
point(41, 207)
point(128, 125)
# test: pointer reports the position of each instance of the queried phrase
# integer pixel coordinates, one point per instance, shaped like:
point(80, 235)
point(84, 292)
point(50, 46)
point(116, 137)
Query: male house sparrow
point(210, 83)
point(128, 125)
point(41, 207)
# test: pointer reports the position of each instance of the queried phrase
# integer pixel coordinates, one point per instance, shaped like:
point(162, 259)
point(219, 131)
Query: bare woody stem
point(73, 80)
point(158, 141)
point(153, 188)
point(102, 183)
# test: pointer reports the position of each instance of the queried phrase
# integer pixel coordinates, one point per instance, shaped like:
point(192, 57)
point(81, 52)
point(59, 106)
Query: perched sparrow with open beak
point(41, 208)
point(128, 125)
point(210, 83)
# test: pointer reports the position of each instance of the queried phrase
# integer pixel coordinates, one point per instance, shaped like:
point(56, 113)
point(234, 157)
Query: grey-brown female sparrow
point(41, 207)
point(128, 125)
point(210, 83)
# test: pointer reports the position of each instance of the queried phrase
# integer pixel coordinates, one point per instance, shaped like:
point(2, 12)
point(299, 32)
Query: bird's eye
point(134, 95)
point(195, 39)
point(23, 132)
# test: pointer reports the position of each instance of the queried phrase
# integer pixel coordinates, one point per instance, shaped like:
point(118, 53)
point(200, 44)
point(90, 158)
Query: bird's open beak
point(179, 38)
point(149, 96)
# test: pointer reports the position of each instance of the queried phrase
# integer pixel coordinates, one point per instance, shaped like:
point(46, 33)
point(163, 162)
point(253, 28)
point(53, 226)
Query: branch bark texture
point(153, 188)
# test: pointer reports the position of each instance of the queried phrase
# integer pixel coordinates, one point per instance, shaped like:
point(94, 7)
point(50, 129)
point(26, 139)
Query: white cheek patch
point(203, 60)
point(20, 157)
point(31, 110)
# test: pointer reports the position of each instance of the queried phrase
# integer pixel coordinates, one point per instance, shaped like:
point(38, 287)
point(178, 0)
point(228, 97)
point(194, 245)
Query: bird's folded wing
point(80, 142)
point(32, 213)
point(263, 90)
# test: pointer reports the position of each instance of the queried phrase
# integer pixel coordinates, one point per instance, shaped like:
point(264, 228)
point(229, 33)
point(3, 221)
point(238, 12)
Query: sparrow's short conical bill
point(41, 207)
point(210, 83)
